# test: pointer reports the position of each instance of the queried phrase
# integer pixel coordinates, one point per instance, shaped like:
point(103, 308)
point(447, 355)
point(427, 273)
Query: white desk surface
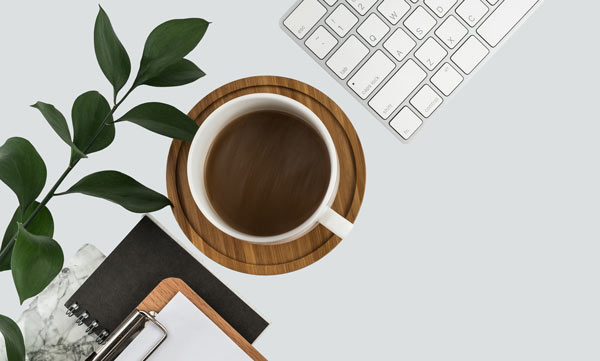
point(477, 241)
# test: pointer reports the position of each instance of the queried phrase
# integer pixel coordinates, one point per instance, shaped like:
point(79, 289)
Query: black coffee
point(267, 172)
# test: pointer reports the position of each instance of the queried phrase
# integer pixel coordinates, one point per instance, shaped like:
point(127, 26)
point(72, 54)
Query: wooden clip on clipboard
point(154, 303)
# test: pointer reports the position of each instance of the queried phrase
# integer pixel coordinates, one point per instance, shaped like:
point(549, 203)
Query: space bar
point(504, 19)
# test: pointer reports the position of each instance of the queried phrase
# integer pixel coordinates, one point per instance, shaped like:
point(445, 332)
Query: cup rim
point(215, 119)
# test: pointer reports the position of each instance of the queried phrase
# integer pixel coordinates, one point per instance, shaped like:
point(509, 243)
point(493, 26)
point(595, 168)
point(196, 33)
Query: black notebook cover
point(145, 257)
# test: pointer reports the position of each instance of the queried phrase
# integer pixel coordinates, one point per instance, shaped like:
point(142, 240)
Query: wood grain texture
point(168, 288)
point(260, 259)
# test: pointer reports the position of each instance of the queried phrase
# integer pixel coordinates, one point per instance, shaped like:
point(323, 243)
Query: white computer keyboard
point(403, 58)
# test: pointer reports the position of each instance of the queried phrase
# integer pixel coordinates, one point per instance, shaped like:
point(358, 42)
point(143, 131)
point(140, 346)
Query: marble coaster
point(50, 335)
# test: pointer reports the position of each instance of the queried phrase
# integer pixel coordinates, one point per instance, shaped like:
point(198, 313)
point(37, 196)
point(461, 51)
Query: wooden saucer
point(259, 259)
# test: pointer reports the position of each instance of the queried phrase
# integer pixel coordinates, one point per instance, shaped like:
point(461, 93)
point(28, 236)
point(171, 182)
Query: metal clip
point(125, 333)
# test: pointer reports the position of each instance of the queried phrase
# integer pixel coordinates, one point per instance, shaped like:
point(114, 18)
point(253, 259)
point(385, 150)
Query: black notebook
point(144, 258)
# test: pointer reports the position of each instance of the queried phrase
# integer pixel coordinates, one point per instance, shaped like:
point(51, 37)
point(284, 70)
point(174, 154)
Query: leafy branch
point(28, 249)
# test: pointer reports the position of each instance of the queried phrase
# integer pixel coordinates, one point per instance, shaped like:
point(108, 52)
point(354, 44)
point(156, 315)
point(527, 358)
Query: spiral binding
point(102, 337)
point(72, 310)
point(92, 327)
point(84, 316)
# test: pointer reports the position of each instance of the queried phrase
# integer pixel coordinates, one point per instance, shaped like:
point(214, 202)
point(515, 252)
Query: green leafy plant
point(28, 249)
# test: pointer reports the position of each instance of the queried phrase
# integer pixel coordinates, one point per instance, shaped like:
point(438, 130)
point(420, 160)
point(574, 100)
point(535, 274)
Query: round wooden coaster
point(279, 258)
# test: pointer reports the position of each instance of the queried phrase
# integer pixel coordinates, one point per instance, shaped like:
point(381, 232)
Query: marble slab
point(49, 334)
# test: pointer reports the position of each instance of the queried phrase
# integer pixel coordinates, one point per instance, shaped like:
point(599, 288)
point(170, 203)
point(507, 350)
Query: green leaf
point(35, 261)
point(89, 111)
point(110, 53)
point(13, 339)
point(22, 170)
point(58, 122)
point(122, 190)
point(162, 119)
point(181, 73)
point(42, 224)
point(168, 44)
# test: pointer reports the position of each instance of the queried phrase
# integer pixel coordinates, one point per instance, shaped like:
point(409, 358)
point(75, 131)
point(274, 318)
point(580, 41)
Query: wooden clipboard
point(168, 288)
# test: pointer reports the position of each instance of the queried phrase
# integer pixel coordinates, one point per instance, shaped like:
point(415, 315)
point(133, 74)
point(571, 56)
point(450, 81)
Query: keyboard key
point(470, 54)
point(399, 44)
point(373, 29)
point(440, 7)
point(397, 89)
point(305, 17)
point(504, 19)
point(451, 32)
point(431, 53)
point(447, 79)
point(362, 6)
point(472, 11)
point(347, 57)
point(406, 123)
point(341, 20)
point(420, 22)
point(371, 74)
point(426, 101)
point(321, 42)
point(393, 10)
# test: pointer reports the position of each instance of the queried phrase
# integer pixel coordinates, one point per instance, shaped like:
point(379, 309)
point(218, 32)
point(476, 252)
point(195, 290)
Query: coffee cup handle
point(337, 224)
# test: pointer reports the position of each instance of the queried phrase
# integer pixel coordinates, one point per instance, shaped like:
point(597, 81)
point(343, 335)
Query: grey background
point(476, 241)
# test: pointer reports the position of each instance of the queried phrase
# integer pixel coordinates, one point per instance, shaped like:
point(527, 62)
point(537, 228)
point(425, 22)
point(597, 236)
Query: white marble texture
point(49, 334)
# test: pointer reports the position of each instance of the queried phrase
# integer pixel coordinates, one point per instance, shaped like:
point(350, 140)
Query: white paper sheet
point(192, 336)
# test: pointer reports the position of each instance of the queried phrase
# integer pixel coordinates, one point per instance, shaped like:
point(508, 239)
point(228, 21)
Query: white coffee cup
point(232, 110)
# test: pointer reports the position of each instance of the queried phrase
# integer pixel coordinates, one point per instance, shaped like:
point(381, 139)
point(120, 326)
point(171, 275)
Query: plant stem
point(52, 191)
